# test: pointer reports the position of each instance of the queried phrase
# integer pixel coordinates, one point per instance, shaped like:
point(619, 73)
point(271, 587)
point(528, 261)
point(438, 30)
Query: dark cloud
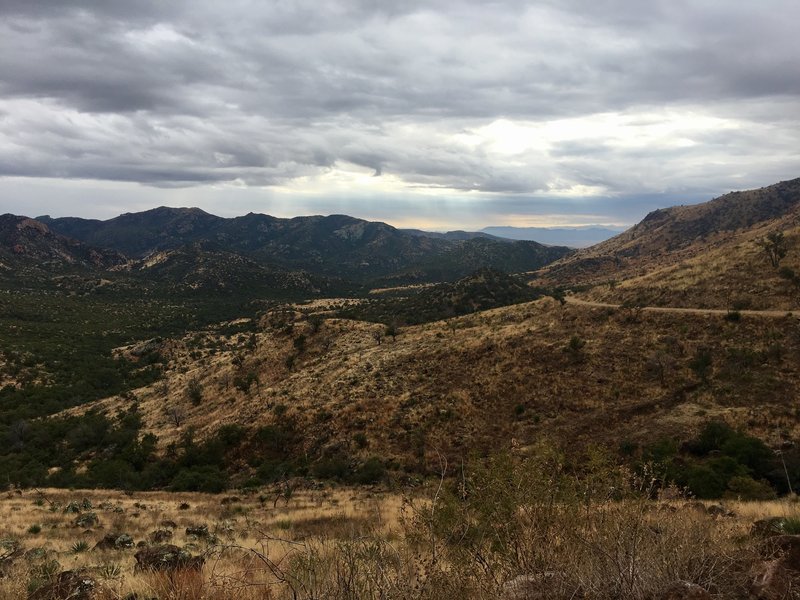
point(194, 93)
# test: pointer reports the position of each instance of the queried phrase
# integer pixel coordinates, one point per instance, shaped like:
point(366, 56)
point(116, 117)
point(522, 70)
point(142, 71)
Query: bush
point(746, 488)
point(195, 391)
point(331, 468)
point(372, 471)
point(204, 478)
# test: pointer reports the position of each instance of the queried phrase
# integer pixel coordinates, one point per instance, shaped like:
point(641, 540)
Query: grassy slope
point(501, 375)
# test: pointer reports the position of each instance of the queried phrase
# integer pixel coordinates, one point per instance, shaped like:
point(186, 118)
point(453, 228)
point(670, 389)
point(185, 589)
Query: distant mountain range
point(188, 248)
point(574, 237)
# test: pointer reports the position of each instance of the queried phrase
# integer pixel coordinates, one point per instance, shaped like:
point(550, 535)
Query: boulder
point(167, 558)
point(71, 585)
point(115, 541)
point(200, 531)
point(159, 536)
point(768, 527)
point(73, 507)
point(86, 520)
point(770, 581)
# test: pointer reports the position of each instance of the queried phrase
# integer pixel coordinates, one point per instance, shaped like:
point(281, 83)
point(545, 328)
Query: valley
point(173, 355)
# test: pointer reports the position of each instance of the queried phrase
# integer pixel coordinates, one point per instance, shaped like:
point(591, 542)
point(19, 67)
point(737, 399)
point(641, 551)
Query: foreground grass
point(344, 543)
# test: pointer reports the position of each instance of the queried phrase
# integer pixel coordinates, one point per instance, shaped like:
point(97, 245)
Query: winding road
point(770, 314)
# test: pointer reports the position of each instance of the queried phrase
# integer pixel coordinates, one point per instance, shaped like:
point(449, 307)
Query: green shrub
point(204, 478)
point(372, 471)
point(747, 488)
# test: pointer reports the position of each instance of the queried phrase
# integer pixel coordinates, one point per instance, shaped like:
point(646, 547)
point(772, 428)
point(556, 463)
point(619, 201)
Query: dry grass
point(502, 374)
point(246, 532)
point(350, 544)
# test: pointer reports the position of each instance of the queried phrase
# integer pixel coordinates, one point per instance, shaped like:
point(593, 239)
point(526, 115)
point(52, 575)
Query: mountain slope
point(478, 382)
point(137, 234)
point(705, 255)
point(29, 244)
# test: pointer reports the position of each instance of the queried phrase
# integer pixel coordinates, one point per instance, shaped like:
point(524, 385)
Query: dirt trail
point(771, 314)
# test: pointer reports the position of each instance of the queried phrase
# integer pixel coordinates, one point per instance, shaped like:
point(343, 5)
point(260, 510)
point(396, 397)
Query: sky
point(434, 114)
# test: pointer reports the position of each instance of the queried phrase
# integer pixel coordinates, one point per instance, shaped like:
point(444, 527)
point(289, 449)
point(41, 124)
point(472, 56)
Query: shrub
point(744, 487)
point(372, 471)
point(204, 478)
point(35, 529)
point(195, 391)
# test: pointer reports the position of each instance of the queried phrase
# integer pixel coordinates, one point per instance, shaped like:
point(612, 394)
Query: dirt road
point(770, 314)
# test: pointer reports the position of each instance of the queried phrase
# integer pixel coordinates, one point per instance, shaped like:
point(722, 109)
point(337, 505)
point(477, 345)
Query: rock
point(167, 558)
point(114, 541)
point(770, 581)
point(9, 549)
point(716, 510)
point(71, 585)
point(695, 506)
point(685, 590)
point(768, 527)
point(200, 531)
point(168, 525)
point(86, 520)
point(73, 507)
point(159, 536)
point(786, 548)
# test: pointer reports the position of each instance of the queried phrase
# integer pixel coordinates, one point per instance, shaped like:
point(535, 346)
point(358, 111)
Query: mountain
point(203, 268)
point(334, 246)
point(29, 244)
point(574, 237)
point(703, 255)
point(455, 235)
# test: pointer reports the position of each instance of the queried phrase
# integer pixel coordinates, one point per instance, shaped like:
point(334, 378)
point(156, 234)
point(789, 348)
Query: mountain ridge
point(332, 245)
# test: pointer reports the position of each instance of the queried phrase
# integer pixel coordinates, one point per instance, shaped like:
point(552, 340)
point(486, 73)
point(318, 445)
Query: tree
point(774, 244)
point(195, 391)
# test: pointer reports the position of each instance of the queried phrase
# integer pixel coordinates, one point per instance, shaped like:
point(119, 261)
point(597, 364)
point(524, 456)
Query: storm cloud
point(596, 109)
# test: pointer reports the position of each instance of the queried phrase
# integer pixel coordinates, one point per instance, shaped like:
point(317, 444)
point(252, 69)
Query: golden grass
point(344, 543)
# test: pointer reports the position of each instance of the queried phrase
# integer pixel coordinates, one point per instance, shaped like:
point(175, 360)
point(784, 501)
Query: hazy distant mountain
point(574, 237)
point(455, 235)
point(333, 246)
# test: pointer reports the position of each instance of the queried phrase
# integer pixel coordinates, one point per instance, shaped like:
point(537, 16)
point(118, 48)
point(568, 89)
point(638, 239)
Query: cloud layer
point(508, 105)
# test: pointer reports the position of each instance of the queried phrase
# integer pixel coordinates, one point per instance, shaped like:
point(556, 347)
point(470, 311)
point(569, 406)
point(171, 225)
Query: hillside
point(705, 255)
point(202, 268)
point(577, 375)
point(28, 245)
point(483, 290)
point(334, 246)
